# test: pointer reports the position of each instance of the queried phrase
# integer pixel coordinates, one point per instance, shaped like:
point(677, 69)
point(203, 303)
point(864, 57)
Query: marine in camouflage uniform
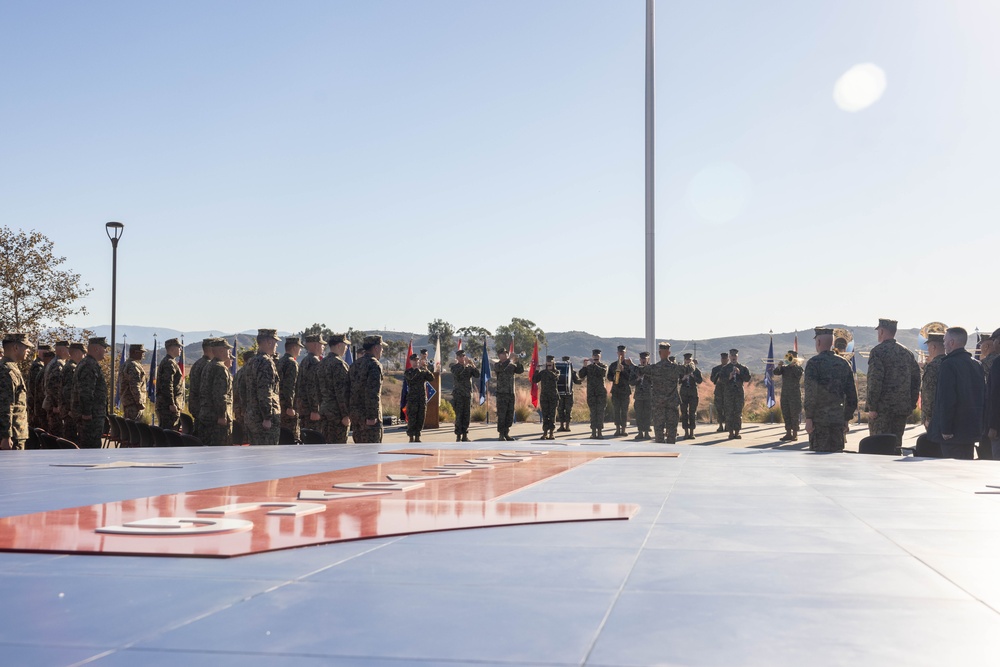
point(13, 392)
point(261, 408)
point(733, 377)
point(416, 396)
point(288, 377)
point(334, 382)
point(240, 397)
point(71, 412)
point(831, 397)
point(665, 375)
point(595, 374)
point(620, 374)
point(52, 381)
point(893, 383)
point(928, 381)
point(643, 398)
point(720, 391)
point(366, 393)
point(216, 411)
point(169, 387)
point(308, 392)
point(134, 391)
point(504, 371)
point(194, 382)
point(31, 382)
point(464, 371)
point(689, 395)
point(791, 394)
point(547, 379)
point(566, 397)
point(91, 394)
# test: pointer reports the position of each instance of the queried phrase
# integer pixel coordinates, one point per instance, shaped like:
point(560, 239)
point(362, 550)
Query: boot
point(692, 436)
point(624, 432)
point(737, 436)
point(786, 437)
point(600, 434)
point(465, 437)
point(416, 438)
point(593, 434)
point(795, 436)
point(458, 438)
point(732, 436)
point(411, 438)
point(672, 439)
point(720, 429)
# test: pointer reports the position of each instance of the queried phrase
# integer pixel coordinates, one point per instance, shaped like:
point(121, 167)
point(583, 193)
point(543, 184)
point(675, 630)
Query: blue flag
point(484, 376)
point(769, 374)
point(151, 384)
point(348, 357)
point(430, 390)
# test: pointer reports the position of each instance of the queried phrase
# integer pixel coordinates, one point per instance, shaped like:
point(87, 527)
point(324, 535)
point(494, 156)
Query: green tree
point(524, 332)
point(356, 337)
point(317, 328)
point(472, 340)
point(394, 352)
point(439, 329)
point(35, 291)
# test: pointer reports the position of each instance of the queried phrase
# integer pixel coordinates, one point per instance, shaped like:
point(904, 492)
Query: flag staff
point(650, 181)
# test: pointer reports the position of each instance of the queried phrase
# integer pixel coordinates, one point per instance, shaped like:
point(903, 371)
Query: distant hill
point(576, 344)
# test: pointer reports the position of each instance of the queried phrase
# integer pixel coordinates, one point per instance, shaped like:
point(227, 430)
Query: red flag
point(531, 375)
point(460, 343)
point(510, 350)
point(402, 396)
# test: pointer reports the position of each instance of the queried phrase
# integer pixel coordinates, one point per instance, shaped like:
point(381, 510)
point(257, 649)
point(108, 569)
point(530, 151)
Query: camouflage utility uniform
point(309, 394)
point(71, 418)
point(689, 397)
point(216, 403)
point(595, 375)
point(548, 396)
point(791, 394)
point(13, 404)
point(734, 376)
point(831, 399)
point(288, 375)
point(366, 399)
point(720, 396)
point(928, 387)
point(504, 372)
point(461, 397)
point(194, 391)
point(51, 382)
point(416, 399)
point(666, 400)
point(91, 397)
point(893, 387)
point(261, 401)
point(334, 382)
point(169, 393)
point(643, 402)
point(133, 390)
point(621, 394)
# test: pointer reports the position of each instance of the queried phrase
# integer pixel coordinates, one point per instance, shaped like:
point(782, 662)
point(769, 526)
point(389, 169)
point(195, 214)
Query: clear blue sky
point(382, 164)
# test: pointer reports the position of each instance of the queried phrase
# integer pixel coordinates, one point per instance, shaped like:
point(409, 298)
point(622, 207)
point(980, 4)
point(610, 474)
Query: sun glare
point(859, 87)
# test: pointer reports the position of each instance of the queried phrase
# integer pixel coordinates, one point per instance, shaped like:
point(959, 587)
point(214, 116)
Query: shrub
point(478, 413)
point(446, 413)
point(915, 417)
point(523, 413)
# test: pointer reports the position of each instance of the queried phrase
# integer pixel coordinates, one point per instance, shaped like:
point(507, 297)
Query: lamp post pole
point(650, 181)
point(114, 230)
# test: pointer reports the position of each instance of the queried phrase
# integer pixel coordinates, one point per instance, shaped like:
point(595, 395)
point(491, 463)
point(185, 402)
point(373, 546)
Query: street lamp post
point(114, 230)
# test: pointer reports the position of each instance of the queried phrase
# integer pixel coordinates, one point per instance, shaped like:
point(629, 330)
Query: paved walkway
point(755, 436)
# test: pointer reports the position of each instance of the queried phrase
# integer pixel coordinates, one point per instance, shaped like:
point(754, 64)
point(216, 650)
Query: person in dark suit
point(957, 421)
point(992, 408)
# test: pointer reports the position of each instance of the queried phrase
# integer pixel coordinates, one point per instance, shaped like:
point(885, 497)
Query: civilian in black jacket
point(958, 404)
point(992, 416)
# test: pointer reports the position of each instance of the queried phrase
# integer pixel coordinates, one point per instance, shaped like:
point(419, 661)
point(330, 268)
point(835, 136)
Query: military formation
point(64, 391)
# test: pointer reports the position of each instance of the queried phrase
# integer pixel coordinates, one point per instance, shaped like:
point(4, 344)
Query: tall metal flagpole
point(650, 164)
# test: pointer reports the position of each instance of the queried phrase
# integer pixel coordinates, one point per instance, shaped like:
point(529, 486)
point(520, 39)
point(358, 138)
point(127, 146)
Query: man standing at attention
point(957, 421)
point(831, 397)
point(334, 382)
point(169, 387)
point(92, 394)
point(134, 389)
point(464, 371)
point(595, 373)
point(288, 376)
point(13, 392)
point(893, 383)
point(928, 383)
point(262, 409)
point(366, 392)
